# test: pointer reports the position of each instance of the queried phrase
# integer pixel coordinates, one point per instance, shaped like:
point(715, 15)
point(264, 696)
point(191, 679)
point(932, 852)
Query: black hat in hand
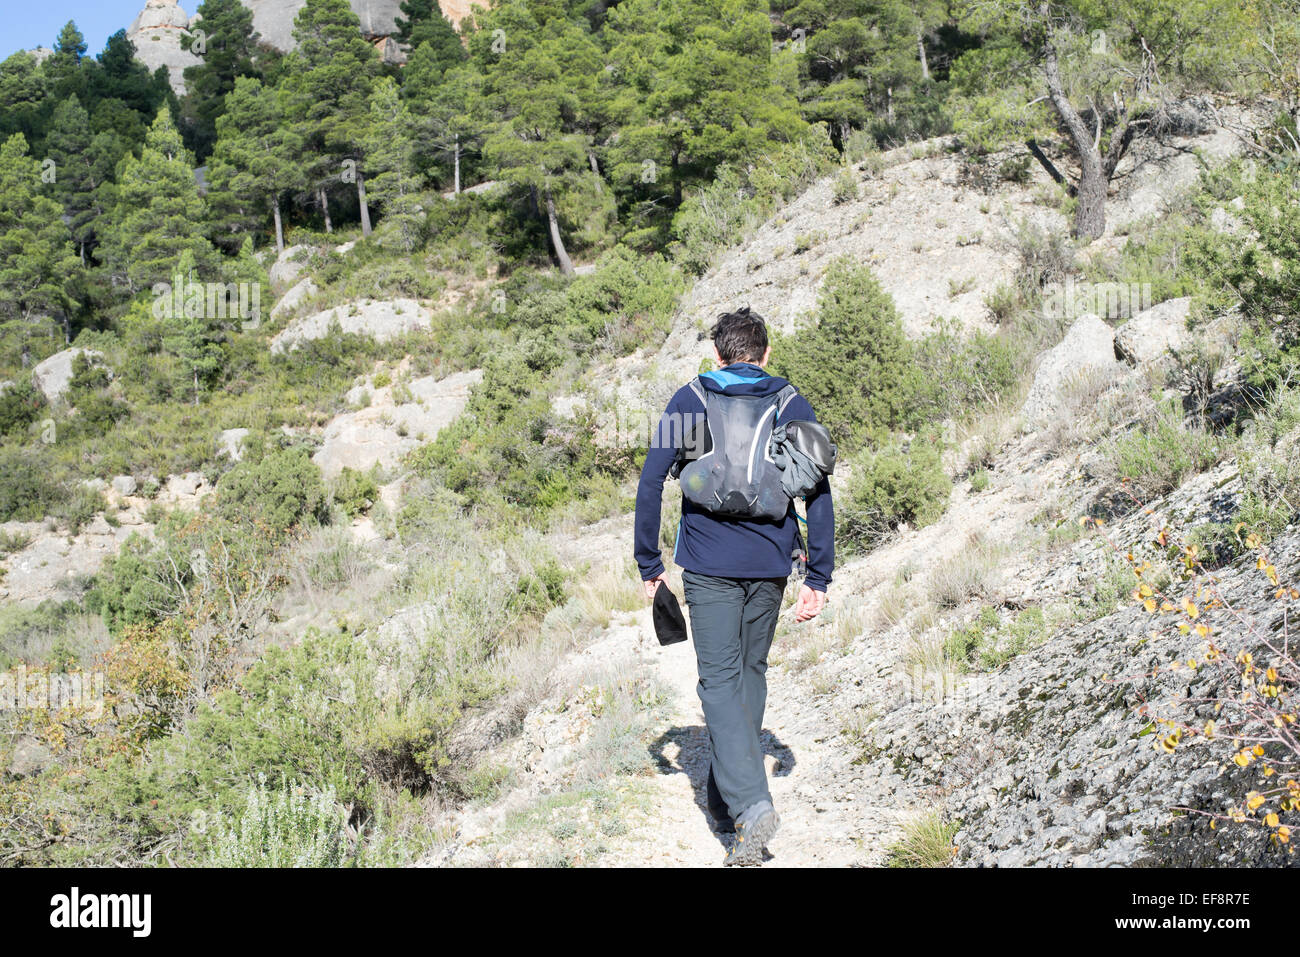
point(670, 623)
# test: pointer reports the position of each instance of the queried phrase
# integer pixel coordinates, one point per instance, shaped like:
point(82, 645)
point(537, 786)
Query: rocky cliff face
point(158, 29)
point(273, 19)
point(156, 33)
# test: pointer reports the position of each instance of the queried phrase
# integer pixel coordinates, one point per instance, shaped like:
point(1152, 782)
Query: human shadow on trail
point(693, 760)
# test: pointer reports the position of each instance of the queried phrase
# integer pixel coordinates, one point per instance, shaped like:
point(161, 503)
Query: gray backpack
point(727, 467)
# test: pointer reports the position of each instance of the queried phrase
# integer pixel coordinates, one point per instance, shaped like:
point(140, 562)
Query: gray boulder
point(379, 319)
point(1088, 347)
point(1152, 332)
point(53, 375)
point(273, 19)
point(294, 297)
point(124, 485)
point(286, 269)
point(157, 32)
point(231, 443)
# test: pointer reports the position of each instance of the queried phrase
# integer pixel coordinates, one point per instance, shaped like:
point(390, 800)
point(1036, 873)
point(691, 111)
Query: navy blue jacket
point(725, 547)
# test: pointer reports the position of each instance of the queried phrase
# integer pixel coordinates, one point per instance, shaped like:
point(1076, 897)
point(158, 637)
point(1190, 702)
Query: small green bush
point(354, 491)
point(1159, 456)
point(855, 365)
point(845, 188)
point(289, 826)
point(20, 405)
point(888, 488)
point(280, 489)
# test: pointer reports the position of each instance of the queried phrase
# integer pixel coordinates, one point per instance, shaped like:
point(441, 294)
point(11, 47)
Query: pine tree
point(255, 160)
point(63, 70)
point(36, 255)
point(120, 76)
point(194, 337)
point(158, 215)
point(84, 163)
point(390, 158)
point(425, 23)
point(231, 48)
point(698, 90)
point(538, 145)
point(23, 89)
point(328, 80)
point(449, 113)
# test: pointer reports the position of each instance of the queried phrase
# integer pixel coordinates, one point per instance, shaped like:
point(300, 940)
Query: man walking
point(734, 572)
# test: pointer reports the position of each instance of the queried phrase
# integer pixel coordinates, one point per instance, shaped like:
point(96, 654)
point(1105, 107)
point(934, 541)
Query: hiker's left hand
point(810, 604)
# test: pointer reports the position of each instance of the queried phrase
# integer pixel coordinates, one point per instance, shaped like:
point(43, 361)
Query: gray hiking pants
point(732, 623)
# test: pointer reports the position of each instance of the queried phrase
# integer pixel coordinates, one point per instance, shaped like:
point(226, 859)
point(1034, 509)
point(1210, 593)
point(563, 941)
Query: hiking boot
point(754, 829)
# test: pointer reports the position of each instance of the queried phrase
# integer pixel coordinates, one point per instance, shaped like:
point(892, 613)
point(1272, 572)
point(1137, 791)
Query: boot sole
point(749, 847)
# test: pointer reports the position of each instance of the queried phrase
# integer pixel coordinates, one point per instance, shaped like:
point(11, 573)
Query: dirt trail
point(832, 813)
point(797, 745)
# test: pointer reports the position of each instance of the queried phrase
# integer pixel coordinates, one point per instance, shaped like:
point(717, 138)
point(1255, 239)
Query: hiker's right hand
point(652, 586)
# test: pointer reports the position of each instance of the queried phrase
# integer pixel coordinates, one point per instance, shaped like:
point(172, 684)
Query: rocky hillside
point(1041, 755)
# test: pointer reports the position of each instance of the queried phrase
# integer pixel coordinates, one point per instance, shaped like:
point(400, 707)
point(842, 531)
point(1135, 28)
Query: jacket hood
point(742, 378)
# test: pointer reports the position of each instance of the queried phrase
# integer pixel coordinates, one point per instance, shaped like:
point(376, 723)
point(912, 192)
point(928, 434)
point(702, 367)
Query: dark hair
point(740, 336)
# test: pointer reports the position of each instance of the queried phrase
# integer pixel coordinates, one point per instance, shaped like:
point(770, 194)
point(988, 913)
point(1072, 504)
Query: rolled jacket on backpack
point(805, 454)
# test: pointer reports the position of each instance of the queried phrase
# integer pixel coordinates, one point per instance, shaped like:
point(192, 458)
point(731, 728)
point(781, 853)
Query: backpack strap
point(698, 388)
point(783, 399)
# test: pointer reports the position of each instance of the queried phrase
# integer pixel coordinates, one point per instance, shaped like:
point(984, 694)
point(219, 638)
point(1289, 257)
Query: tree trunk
point(1090, 216)
point(889, 104)
point(595, 168)
point(566, 264)
point(920, 49)
point(325, 207)
point(365, 208)
point(279, 227)
point(456, 190)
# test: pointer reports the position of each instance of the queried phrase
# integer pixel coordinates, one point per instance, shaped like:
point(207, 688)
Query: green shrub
point(926, 842)
point(845, 188)
point(290, 826)
point(26, 493)
point(1158, 456)
point(279, 490)
point(891, 487)
point(20, 405)
point(960, 373)
point(855, 365)
point(354, 491)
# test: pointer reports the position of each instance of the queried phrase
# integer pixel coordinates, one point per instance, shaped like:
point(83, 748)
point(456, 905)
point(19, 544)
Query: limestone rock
point(286, 269)
point(1088, 346)
point(53, 375)
point(231, 443)
point(379, 319)
point(1153, 331)
point(156, 33)
point(386, 430)
point(294, 297)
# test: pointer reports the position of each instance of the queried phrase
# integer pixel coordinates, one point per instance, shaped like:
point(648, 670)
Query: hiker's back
point(734, 475)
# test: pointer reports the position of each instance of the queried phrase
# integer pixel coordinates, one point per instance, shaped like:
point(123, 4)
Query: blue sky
point(36, 23)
